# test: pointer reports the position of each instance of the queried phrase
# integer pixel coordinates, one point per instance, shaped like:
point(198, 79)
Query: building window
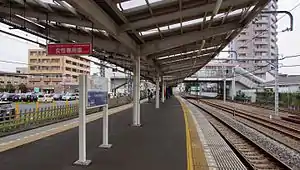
point(33, 53)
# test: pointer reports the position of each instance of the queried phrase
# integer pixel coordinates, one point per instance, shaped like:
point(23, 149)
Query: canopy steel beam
point(198, 62)
point(188, 63)
point(185, 68)
point(187, 38)
point(51, 17)
point(66, 35)
point(187, 48)
point(196, 11)
point(99, 17)
point(114, 7)
point(183, 57)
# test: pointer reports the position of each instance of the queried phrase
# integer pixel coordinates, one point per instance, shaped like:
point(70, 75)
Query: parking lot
point(27, 106)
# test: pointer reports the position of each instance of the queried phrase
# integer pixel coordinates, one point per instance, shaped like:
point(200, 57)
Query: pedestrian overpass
point(235, 77)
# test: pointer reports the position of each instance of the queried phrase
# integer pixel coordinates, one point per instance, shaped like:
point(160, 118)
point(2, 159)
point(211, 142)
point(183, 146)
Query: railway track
point(274, 124)
point(254, 156)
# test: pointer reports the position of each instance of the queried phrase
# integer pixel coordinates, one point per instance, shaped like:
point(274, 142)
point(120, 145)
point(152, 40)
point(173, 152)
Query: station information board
point(97, 92)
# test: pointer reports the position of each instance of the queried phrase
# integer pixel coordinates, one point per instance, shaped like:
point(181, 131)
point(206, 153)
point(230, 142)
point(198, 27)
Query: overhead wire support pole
point(276, 103)
point(276, 107)
point(283, 12)
point(224, 85)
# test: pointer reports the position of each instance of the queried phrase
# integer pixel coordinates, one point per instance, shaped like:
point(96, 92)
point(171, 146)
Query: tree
point(10, 88)
point(22, 88)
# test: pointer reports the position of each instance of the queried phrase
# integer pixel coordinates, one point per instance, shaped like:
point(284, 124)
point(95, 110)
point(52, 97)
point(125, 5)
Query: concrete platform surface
point(159, 144)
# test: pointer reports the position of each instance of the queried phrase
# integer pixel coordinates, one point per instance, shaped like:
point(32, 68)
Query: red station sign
point(69, 49)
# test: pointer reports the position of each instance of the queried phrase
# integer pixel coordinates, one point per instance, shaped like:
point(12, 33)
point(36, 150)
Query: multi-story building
point(55, 73)
point(258, 40)
point(14, 79)
point(22, 70)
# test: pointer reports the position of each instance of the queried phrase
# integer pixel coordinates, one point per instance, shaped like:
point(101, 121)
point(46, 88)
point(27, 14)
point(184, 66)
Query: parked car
point(69, 96)
point(7, 97)
point(7, 111)
point(57, 97)
point(16, 98)
point(45, 98)
point(30, 97)
point(77, 96)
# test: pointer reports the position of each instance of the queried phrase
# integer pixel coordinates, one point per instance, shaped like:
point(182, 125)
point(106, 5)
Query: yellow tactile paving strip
point(195, 153)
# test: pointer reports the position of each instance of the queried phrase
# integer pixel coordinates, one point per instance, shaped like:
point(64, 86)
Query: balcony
point(262, 21)
point(266, 49)
point(260, 28)
point(45, 71)
point(58, 79)
point(46, 79)
point(34, 79)
point(264, 42)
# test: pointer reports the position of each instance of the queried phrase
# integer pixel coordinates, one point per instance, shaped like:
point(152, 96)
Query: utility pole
point(224, 85)
point(276, 87)
point(233, 84)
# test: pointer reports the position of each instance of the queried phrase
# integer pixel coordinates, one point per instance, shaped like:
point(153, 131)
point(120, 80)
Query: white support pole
point(105, 129)
point(136, 98)
point(233, 84)
point(162, 89)
point(276, 88)
point(82, 121)
point(157, 93)
point(134, 108)
point(138, 78)
point(224, 85)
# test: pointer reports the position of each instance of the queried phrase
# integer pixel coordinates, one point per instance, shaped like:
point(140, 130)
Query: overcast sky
point(13, 49)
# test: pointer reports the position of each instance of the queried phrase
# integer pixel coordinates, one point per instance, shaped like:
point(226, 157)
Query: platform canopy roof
point(174, 38)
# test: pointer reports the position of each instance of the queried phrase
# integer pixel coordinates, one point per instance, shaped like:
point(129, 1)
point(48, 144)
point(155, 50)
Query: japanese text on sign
point(69, 49)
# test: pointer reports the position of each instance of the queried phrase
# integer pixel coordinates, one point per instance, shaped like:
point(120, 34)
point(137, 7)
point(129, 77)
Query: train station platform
point(176, 136)
point(160, 143)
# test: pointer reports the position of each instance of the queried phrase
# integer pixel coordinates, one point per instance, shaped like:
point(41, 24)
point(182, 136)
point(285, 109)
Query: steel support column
point(157, 93)
point(136, 97)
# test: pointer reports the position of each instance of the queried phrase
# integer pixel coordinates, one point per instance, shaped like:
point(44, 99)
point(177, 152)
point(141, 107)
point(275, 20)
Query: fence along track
point(255, 156)
point(278, 126)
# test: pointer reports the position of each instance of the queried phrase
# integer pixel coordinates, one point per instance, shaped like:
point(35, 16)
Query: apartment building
point(258, 40)
point(55, 73)
point(11, 78)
